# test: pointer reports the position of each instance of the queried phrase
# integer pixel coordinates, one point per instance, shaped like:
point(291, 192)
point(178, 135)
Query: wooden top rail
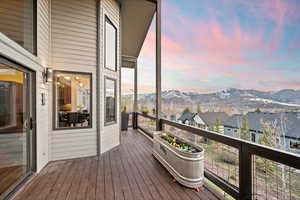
point(146, 116)
point(287, 158)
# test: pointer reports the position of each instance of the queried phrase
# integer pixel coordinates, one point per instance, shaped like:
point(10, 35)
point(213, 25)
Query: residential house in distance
point(173, 117)
point(163, 115)
point(191, 119)
point(213, 119)
point(206, 120)
point(285, 125)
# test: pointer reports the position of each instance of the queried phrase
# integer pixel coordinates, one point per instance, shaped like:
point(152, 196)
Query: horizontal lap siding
point(74, 26)
point(73, 48)
point(43, 32)
point(43, 50)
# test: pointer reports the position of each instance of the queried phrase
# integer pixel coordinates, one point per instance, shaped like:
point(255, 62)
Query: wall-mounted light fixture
point(47, 75)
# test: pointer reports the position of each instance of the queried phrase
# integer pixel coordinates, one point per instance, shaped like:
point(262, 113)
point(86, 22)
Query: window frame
point(115, 101)
point(34, 22)
point(54, 114)
point(107, 20)
point(34, 30)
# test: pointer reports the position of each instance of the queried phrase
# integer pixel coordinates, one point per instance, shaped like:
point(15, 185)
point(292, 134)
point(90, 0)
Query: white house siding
point(43, 41)
point(67, 40)
point(73, 48)
point(109, 135)
point(233, 132)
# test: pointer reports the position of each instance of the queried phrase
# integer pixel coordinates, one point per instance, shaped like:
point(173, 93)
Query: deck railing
point(146, 123)
point(242, 169)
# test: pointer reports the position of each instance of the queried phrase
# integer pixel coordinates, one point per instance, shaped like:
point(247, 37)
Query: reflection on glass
point(127, 97)
point(110, 45)
point(16, 22)
point(13, 133)
point(110, 100)
point(73, 96)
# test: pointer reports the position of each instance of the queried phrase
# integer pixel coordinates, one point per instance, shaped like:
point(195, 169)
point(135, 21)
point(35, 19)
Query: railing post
point(135, 89)
point(245, 173)
point(160, 125)
point(134, 120)
point(158, 64)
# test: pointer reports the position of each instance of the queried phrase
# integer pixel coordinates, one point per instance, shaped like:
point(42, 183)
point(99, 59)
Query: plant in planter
point(145, 111)
point(183, 159)
point(125, 119)
point(172, 140)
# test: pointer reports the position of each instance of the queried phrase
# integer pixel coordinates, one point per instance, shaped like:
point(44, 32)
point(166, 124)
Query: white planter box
point(187, 168)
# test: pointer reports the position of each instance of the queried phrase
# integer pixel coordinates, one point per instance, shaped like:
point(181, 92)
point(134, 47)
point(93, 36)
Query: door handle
point(31, 123)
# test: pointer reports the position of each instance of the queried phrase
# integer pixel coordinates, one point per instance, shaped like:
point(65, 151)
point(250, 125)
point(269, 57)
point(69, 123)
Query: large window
point(72, 100)
point(18, 22)
point(15, 134)
point(110, 101)
point(110, 45)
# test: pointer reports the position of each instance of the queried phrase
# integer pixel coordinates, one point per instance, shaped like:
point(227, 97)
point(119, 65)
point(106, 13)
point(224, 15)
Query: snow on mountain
point(223, 94)
point(266, 101)
point(231, 98)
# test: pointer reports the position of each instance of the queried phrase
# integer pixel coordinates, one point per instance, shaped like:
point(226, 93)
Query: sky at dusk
point(211, 45)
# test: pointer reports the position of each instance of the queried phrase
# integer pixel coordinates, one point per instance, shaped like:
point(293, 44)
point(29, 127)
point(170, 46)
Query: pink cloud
point(212, 36)
point(148, 48)
point(200, 50)
point(278, 85)
point(142, 88)
point(214, 49)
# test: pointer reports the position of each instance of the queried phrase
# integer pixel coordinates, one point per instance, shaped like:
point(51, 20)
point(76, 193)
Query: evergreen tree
point(199, 109)
point(245, 132)
point(218, 126)
point(257, 110)
point(186, 110)
point(267, 139)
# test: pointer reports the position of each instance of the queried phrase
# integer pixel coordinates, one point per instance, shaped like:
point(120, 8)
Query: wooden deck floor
point(126, 173)
point(9, 176)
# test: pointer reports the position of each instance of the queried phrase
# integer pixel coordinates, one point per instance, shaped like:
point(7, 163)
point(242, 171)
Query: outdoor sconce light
point(47, 75)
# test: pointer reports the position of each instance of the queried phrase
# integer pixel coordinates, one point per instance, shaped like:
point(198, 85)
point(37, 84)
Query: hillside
point(233, 98)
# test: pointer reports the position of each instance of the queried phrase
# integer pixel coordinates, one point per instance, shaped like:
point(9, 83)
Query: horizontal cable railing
point(130, 119)
point(242, 169)
point(146, 123)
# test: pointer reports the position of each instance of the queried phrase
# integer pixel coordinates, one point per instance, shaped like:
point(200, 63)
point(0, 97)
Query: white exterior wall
point(109, 135)
point(67, 40)
point(43, 49)
point(74, 48)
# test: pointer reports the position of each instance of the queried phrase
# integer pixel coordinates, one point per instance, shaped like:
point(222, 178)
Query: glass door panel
point(14, 129)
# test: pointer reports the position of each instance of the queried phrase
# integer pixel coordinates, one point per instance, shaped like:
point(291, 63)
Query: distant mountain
point(283, 99)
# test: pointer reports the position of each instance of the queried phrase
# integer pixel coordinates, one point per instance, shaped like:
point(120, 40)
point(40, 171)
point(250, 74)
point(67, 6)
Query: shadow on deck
point(127, 172)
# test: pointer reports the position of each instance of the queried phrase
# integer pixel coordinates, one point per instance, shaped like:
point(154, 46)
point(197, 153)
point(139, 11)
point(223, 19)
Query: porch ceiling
point(137, 16)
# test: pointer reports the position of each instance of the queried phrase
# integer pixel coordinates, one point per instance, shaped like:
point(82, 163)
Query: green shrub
point(228, 158)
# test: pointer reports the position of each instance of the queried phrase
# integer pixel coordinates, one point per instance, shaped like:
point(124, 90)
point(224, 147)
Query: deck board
point(9, 175)
point(124, 173)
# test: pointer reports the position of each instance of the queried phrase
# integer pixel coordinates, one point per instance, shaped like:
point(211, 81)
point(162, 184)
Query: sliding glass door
point(15, 125)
